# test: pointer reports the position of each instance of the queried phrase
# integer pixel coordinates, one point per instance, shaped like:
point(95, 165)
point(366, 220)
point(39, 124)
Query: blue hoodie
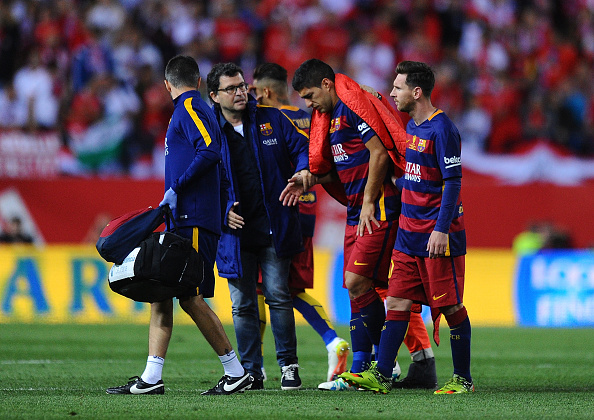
point(192, 163)
point(281, 149)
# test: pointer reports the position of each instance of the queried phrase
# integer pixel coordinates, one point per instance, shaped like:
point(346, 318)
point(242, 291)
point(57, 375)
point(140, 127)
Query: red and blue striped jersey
point(432, 155)
point(348, 135)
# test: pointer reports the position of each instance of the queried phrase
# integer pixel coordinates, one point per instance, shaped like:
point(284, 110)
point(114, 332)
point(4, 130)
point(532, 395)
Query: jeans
point(244, 302)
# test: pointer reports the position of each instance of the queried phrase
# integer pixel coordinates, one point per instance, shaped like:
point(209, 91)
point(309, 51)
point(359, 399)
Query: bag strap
point(169, 218)
point(156, 260)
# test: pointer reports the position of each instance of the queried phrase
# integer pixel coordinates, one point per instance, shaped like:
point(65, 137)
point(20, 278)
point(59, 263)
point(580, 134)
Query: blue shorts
point(205, 242)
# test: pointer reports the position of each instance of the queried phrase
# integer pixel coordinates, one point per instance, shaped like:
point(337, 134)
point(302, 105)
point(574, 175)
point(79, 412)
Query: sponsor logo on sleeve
point(308, 197)
point(363, 128)
point(450, 162)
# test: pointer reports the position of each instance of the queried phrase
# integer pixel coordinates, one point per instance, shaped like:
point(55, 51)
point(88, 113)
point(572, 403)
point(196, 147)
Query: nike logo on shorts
point(438, 297)
point(358, 263)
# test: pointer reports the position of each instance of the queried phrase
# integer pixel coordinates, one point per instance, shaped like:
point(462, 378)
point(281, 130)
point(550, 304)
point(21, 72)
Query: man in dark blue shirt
point(261, 150)
point(193, 175)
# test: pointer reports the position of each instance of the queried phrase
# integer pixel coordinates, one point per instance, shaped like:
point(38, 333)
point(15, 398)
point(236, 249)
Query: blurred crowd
point(509, 73)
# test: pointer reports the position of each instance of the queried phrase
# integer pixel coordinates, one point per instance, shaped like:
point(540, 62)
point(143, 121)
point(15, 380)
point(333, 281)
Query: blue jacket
point(192, 162)
point(281, 150)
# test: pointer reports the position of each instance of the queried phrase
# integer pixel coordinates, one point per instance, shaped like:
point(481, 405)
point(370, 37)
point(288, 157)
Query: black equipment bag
point(165, 265)
point(124, 233)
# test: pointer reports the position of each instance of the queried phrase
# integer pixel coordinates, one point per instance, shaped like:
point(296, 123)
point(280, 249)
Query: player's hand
point(367, 219)
point(370, 90)
point(291, 193)
point(170, 198)
point(234, 220)
point(438, 244)
point(308, 179)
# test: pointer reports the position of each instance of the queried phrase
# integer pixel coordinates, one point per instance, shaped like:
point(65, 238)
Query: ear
point(214, 97)
point(267, 93)
point(327, 84)
point(167, 86)
point(417, 92)
point(199, 81)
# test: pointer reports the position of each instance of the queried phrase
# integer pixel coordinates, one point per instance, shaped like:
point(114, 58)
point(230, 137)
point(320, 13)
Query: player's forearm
point(329, 177)
point(449, 199)
point(378, 167)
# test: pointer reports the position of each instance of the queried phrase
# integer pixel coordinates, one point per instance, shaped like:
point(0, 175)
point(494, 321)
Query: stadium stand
point(511, 74)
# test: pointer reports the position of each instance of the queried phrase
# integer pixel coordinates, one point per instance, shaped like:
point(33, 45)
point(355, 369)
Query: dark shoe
point(138, 386)
point(257, 383)
point(290, 379)
point(421, 375)
point(230, 385)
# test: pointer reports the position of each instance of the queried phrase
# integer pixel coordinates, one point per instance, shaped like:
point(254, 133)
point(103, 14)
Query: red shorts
point(369, 255)
point(301, 273)
point(434, 282)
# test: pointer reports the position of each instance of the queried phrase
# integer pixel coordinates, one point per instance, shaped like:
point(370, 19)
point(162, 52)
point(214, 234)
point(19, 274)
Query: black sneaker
point(230, 385)
point(290, 377)
point(421, 375)
point(257, 383)
point(138, 386)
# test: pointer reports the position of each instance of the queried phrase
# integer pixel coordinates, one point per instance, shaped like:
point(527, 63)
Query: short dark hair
point(311, 73)
point(182, 71)
point(417, 74)
point(273, 76)
point(213, 80)
point(271, 71)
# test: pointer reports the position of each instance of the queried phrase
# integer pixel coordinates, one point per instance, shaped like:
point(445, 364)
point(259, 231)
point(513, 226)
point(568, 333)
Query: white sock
point(231, 364)
point(154, 370)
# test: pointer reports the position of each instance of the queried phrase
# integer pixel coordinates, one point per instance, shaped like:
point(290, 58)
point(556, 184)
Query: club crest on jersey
point(266, 129)
point(421, 145)
point(338, 123)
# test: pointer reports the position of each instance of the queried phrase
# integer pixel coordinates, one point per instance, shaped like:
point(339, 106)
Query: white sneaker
point(337, 358)
point(337, 385)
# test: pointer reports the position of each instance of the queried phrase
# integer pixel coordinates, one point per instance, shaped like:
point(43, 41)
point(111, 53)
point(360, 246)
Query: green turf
point(61, 371)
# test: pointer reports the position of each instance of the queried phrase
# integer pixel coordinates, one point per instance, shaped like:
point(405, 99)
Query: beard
point(406, 106)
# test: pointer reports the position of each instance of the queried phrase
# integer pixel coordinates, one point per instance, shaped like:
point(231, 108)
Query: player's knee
point(398, 304)
point(162, 307)
point(356, 284)
point(451, 310)
point(190, 303)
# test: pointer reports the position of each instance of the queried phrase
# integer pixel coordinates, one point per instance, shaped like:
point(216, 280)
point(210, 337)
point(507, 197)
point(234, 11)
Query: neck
point(282, 102)
point(275, 101)
point(176, 92)
point(423, 110)
point(334, 97)
point(233, 117)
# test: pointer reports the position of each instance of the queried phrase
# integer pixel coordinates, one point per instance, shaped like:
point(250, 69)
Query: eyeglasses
point(231, 90)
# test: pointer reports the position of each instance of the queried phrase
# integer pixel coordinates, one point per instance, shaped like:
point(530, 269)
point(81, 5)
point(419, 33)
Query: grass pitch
point(61, 371)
